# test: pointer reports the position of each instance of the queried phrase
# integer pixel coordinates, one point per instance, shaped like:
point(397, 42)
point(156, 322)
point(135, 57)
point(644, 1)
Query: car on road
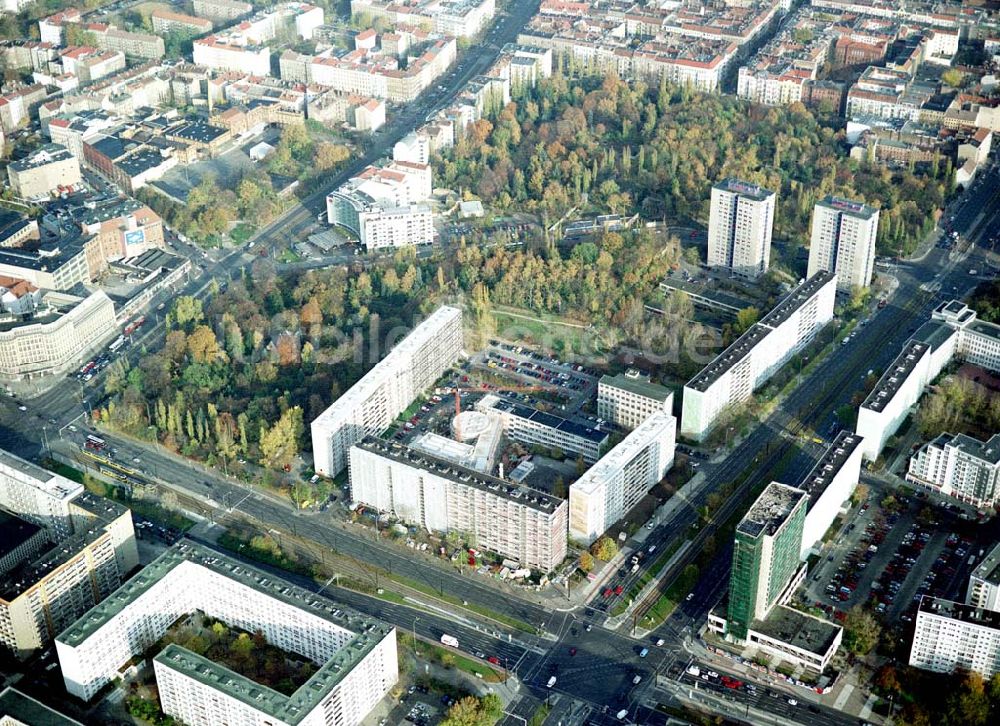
point(644, 652)
point(792, 702)
point(493, 659)
point(572, 651)
point(659, 642)
point(636, 679)
point(22, 407)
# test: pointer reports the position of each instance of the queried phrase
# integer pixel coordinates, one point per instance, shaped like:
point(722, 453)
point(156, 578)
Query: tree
point(328, 155)
point(586, 562)
point(203, 345)
point(186, 311)
point(604, 548)
point(953, 77)
point(280, 444)
point(861, 631)
point(745, 319)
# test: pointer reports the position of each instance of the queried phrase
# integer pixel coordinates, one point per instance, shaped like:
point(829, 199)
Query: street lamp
point(413, 634)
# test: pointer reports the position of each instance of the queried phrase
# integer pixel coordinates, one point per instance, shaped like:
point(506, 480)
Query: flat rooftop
point(960, 611)
point(704, 295)
point(897, 373)
point(935, 333)
point(859, 210)
point(741, 347)
point(550, 420)
point(771, 510)
point(988, 451)
point(830, 464)
point(798, 629)
point(984, 329)
point(744, 189)
point(796, 299)
point(51, 484)
point(47, 154)
point(24, 709)
point(989, 569)
point(446, 469)
point(638, 386)
point(14, 532)
point(625, 452)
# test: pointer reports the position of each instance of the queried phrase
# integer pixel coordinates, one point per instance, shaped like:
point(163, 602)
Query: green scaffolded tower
point(765, 555)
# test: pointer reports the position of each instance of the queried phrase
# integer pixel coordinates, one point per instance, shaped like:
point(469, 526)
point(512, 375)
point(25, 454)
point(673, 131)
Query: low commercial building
point(829, 485)
point(355, 655)
point(610, 488)
point(984, 582)
point(50, 168)
point(512, 520)
point(58, 337)
point(949, 636)
point(755, 356)
point(371, 404)
point(959, 466)
point(978, 341)
point(541, 428)
point(628, 399)
point(88, 550)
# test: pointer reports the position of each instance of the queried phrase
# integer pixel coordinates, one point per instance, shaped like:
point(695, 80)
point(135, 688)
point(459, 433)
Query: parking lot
point(889, 557)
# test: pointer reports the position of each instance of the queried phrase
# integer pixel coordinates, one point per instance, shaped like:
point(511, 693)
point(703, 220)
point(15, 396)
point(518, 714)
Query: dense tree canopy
point(631, 146)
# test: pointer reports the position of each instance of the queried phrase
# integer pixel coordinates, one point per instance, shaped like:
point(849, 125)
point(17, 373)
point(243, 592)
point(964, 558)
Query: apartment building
point(950, 635)
point(753, 358)
point(266, 25)
point(91, 64)
point(888, 404)
point(133, 45)
point(978, 341)
point(167, 21)
point(228, 52)
point(458, 18)
point(628, 399)
point(843, 241)
point(959, 466)
point(765, 555)
point(513, 520)
point(74, 549)
point(984, 582)
point(221, 10)
point(355, 655)
point(829, 484)
point(57, 341)
point(372, 403)
point(48, 169)
point(739, 228)
point(541, 428)
point(383, 206)
point(50, 29)
point(18, 709)
point(609, 489)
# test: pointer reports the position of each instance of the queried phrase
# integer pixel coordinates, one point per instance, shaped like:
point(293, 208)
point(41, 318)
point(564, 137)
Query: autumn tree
point(586, 562)
point(279, 444)
point(203, 345)
point(604, 548)
point(861, 631)
point(185, 312)
point(328, 155)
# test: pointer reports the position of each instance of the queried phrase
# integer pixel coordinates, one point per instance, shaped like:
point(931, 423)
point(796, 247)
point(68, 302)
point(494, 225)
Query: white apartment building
point(950, 635)
point(372, 403)
point(381, 227)
point(414, 148)
point(829, 484)
point(18, 709)
point(739, 228)
point(267, 24)
point(513, 520)
point(458, 18)
point(749, 361)
point(541, 428)
point(355, 654)
point(984, 582)
point(959, 466)
point(978, 341)
point(232, 53)
point(628, 399)
point(611, 487)
point(43, 171)
point(84, 550)
point(55, 345)
point(843, 241)
point(221, 10)
point(888, 404)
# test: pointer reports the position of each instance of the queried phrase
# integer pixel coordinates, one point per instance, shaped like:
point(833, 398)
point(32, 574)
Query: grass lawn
point(547, 331)
point(242, 232)
point(449, 658)
point(485, 612)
